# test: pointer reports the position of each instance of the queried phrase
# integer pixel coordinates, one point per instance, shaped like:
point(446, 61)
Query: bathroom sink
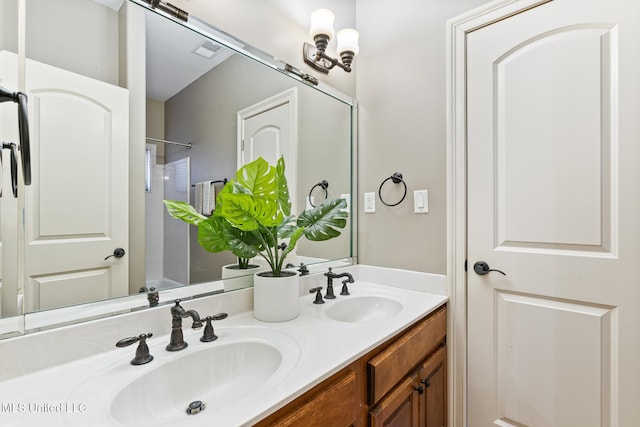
point(364, 309)
point(241, 363)
point(216, 376)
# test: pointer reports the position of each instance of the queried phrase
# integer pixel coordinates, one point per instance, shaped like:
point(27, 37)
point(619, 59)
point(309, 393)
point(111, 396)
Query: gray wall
point(278, 27)
point(400, 84)
point(401, 89)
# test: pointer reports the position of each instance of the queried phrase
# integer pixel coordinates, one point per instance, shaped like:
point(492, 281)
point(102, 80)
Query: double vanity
point(375, 354)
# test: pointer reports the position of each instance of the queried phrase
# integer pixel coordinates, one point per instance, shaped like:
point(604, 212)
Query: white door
point(553, 151)
point(9, 290)
point(268, 129)
point(76, 210)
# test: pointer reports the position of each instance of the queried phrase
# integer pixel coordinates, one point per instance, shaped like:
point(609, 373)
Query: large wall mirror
point(128, 107)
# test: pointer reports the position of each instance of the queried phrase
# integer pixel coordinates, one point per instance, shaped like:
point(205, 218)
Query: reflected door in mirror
point(76, 211)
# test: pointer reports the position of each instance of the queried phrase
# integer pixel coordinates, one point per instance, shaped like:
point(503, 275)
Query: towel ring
point(396, 178)
point(322, 184)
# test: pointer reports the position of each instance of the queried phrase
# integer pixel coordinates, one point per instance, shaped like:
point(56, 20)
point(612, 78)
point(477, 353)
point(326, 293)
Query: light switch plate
point(369, 202)
point(421, 201)
point(347, 197)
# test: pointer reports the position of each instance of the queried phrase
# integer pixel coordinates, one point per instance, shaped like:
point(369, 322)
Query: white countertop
point(79, 393)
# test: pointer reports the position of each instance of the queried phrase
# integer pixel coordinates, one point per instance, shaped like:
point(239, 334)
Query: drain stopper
point(195, 407)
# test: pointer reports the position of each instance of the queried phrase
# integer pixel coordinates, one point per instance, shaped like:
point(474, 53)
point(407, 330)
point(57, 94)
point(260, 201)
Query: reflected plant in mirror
point(252, 216)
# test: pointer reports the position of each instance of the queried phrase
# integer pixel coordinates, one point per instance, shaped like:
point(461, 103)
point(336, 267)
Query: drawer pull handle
point(427, 382)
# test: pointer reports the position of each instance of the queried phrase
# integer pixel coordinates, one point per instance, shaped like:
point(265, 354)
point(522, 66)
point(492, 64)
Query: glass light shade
point(348, 41)
point(322, 23)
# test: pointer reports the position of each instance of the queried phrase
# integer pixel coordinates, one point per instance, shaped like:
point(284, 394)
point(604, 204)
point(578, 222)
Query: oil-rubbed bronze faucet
point(330, 276)
point(177, 313)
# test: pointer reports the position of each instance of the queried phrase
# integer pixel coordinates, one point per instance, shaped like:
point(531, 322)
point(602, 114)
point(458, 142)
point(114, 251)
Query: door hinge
point(465, 265)
point(242, 145)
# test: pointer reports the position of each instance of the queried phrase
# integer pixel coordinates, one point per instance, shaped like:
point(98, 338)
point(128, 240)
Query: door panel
point(572, 200)
point(563, 349)
point(268, 129)
point(552, 202)
point(76, 212)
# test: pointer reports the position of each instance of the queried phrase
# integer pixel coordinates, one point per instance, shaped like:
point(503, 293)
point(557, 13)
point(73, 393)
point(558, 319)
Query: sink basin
point(244, 363)
point(364, 309)
point(216, 376)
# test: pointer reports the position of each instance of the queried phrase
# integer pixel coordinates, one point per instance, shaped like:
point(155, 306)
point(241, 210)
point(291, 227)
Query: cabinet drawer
point(397, 360)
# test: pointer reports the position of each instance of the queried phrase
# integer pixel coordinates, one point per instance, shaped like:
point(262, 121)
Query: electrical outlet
point(369, 202)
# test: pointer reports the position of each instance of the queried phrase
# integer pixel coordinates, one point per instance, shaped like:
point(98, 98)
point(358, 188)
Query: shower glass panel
point(177, 184)
point(167, 240)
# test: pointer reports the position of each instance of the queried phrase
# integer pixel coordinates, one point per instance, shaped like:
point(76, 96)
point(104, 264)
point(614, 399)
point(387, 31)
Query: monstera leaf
point(184, 211)
point(320, 223)
point(248, 212)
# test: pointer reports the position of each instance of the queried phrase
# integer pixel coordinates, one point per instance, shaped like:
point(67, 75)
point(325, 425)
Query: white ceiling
point(171, 63)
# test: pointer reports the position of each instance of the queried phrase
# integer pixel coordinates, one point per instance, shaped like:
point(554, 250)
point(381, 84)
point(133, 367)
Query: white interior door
point(76, 210)
point(553, 174)
point(9, 290)
point(268, 129)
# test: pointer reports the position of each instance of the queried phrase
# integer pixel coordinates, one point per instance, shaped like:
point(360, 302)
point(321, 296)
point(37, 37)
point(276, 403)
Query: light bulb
point(322, 23)
point(348, 41)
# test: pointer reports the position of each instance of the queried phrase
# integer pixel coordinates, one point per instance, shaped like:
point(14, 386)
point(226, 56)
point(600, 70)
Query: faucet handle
point(345, 288)
point(303, 270)
point(318, 292)
point(209, 335)
point(142, 352)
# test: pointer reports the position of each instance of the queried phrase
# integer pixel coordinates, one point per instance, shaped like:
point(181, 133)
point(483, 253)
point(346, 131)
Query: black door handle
point(483, 268)
point(23, 127)
point(14, 166)
point(117, 252)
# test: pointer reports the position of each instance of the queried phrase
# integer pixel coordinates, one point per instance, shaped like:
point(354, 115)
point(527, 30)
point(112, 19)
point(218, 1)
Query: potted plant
point(253, 217)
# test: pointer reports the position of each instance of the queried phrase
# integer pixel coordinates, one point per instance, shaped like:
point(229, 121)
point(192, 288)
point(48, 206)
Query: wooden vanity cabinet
point(400, 383)
point(418, 400)
point(407, 380)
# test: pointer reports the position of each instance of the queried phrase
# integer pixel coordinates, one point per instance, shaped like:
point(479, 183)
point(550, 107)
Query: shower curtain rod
point(188, 145)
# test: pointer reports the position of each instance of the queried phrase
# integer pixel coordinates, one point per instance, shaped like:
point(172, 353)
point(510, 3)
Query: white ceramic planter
point(236, 278)
point(276, 299)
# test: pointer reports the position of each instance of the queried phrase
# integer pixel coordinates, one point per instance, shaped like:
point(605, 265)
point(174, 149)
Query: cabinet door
point(400, 408)
point(434, 380)
point(335, 402)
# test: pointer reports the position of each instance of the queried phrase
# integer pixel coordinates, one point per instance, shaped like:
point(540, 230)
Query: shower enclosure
point(167, 240)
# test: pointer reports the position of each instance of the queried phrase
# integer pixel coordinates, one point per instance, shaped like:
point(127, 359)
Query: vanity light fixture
point(322, 32)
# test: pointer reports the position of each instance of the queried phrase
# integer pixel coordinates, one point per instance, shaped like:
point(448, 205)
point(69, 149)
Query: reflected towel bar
point(224, 180)
point(188, 145)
